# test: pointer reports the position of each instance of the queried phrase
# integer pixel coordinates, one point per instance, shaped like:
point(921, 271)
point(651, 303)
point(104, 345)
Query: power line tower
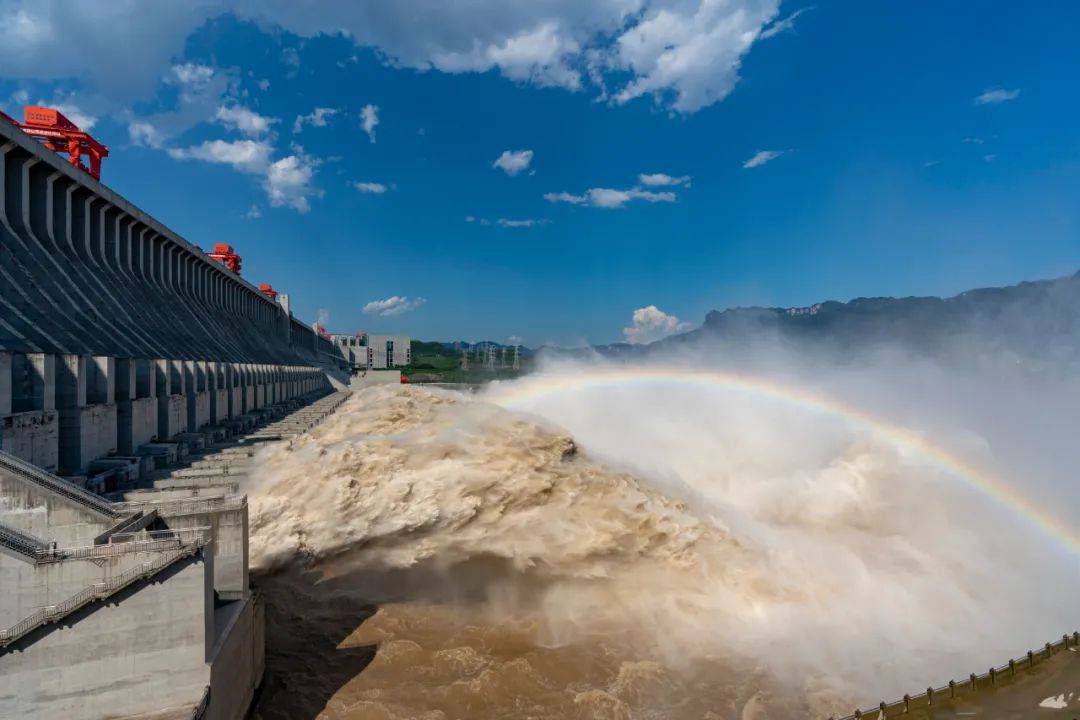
point(517, 357)
point(489, 361)
point(502, 358)
point(464, 359)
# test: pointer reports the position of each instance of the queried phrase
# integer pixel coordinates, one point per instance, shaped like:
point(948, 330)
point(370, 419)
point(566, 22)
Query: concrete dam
point(137, 376)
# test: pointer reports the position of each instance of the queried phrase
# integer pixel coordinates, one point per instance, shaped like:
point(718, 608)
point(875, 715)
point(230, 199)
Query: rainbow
point(520, 392)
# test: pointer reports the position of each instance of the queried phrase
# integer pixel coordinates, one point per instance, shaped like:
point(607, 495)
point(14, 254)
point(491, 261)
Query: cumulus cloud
point(684, 54)
point(369, 119)
point(761, 157)
point(996, 96)
point(316, 118)
point(72, 112)
point(288, 182)
point(663, 180)
point(250, 156)
point(393, 306)
point(192, 75)
point(650, 324)
point(513, 162)
point(245, 120)
point(144, 134)
point(203, 93)
point(610, 198)
point(688, 54)
point(370, 187)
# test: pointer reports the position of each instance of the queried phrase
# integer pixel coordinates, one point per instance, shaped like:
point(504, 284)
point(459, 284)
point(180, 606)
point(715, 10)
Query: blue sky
point(902, 150)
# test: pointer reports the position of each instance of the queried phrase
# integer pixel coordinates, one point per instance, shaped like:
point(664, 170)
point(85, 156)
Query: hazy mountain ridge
point(1032, 321)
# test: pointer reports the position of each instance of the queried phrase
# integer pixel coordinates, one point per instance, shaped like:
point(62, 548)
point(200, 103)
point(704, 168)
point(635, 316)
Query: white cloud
point(253, 213)
point(369, 119)
point(144, 134)
point(512, 162)
point(761, 157)
point(250, 156)
point(116, 48)
point(515, 340)
point(247, 121)
point(973, 140)
point(990, 158)
point(289, 182)
point(785, 25)
point(72, 112)
point(264, 84)
point(317, 118)
point(202, 93)
point(192, 75)
point(529, 222)
point(996, 96)
point(685, 54)
point(663, 180)
point(609, 198)
point(470, 219)
point(370, 187)
point(393, 306)
point(650, 324)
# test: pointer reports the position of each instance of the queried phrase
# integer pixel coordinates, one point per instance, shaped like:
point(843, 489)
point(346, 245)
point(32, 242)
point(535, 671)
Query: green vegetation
point(439, 362)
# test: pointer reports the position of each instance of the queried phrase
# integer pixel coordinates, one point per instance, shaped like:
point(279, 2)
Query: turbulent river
point(653, 553)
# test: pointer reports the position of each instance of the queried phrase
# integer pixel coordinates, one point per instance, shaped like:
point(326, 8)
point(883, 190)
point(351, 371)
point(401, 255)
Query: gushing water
point(653, 552)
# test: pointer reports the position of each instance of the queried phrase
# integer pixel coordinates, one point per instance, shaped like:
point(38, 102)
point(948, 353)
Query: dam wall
point(115, 332)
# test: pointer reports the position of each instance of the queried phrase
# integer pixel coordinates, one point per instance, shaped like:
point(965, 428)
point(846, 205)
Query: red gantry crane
point(224, 254)
point(61, 135)
point(268, 290)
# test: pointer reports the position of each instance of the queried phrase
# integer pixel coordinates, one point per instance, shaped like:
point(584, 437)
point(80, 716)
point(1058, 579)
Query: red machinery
point(224, 253)
point(322, 331)
point(59, 134)
point(268, 290)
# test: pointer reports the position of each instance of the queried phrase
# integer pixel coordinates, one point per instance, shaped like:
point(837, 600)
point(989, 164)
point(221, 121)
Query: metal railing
point(188, 506)
point(993, 678)
point(57, 485)
point(126, 543)
point(21, 542)
point(96, 591)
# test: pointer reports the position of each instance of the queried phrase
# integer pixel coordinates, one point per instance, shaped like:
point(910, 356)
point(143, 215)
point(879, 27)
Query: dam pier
point(138, 376)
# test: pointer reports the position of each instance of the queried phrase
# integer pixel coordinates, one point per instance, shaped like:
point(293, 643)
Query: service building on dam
point(138, 375)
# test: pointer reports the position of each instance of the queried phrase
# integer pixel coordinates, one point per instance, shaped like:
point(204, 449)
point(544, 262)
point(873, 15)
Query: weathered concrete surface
point(33, 436)
point(86, 433)
point(47, 515)
point(238, 659)
point(137, 424)
point(144, 650)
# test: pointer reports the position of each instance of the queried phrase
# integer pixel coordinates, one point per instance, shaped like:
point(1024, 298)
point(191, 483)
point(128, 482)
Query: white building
point(387, 351)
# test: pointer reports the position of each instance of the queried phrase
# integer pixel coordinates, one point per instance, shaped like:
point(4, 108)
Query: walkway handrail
point(125, 543)
point(188, 506)
point(97, 591)
point(21, 542)
point(974, 682)
point(56, 484)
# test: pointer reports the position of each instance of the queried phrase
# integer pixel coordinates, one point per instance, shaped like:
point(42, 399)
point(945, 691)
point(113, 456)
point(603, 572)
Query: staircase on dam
point(137, 374)
point(151, 592)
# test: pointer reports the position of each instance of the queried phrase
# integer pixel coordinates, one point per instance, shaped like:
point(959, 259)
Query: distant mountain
point(1031, 322)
